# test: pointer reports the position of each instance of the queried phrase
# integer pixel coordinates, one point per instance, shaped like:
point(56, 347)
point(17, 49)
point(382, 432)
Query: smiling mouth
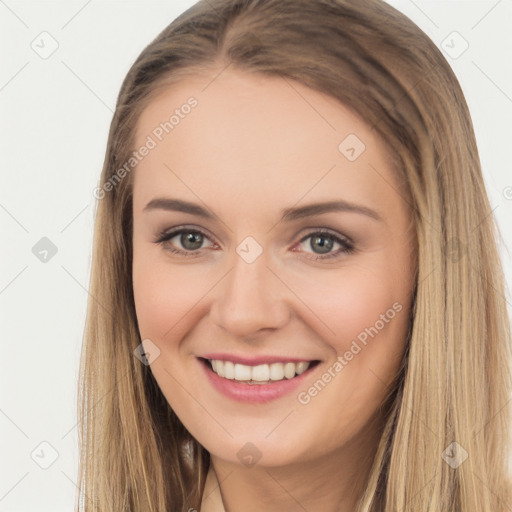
point(259, 374)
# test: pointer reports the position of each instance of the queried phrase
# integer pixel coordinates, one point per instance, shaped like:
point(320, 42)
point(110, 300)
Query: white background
point(55, 115)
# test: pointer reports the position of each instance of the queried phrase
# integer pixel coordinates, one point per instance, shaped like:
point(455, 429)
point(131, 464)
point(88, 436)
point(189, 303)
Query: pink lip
point(254, 393)
point(254, 361)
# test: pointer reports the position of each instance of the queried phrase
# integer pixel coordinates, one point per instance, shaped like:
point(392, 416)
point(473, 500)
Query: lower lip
point(254, 393)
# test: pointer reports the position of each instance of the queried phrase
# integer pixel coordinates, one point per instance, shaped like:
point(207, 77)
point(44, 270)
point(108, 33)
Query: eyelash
point(346, 245)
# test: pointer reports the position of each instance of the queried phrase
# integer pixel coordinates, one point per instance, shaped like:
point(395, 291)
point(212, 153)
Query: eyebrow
point(287, 214)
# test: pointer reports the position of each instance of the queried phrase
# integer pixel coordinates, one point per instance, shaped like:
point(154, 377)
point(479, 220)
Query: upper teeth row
point(262, 372)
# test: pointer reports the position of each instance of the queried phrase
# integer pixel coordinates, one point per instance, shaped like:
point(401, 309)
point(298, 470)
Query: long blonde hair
point(455, 383)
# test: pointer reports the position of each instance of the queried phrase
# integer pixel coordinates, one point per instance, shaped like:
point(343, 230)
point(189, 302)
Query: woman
point(297, 297)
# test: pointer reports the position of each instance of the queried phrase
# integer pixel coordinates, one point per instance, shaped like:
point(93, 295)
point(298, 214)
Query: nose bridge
point(250, 297)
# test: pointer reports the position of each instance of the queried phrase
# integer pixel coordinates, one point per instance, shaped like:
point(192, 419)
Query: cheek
point(163, 294)
point(366, 311)
point(350, 302)
point(170, 299)
point(368, 316)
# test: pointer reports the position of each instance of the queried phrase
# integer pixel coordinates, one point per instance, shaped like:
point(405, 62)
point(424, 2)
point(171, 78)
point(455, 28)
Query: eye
point(190, 239)
point(322, 242)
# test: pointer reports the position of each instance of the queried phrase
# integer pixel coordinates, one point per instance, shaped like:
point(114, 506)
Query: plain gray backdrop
point(62, 66)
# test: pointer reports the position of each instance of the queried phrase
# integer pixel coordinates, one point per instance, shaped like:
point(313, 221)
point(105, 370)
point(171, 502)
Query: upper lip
point(254, 361)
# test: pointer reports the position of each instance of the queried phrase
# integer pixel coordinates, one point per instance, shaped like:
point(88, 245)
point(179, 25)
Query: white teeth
point(259, 373)
point(289, 370)
point(219, 368)
point(276, 371)
point(242, 372)
point(229, 370)
point(301, 367)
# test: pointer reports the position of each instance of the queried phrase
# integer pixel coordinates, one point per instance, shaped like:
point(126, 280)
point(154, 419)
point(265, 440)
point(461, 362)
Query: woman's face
point(253, 281)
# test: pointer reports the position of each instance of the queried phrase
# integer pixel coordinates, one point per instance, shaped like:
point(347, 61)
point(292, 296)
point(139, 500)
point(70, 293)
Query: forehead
point(257, 135)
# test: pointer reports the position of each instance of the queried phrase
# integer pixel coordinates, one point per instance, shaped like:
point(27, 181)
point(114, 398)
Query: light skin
point(252, 147)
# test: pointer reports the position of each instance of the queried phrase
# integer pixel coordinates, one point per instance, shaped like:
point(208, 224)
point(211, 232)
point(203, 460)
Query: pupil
point(189, 239)
point(324, 247)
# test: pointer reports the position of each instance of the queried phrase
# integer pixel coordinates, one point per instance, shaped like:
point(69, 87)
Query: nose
point(250, 299)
